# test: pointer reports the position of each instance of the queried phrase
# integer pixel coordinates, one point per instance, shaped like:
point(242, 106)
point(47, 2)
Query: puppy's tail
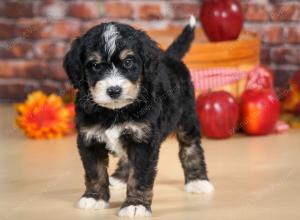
point(183, 42)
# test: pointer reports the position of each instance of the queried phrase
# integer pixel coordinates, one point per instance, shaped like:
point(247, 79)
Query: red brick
point(256, 12)
point(265, 55)
point(68, 89)
point(184, 10)
point(4, 51)
point(18, 9)
point(273, 35)
point(17, 49)
point(56, 71)
point(269, 34)
point(89, 24)
point(39, 28)
point(118, 10)
point(2, 8)
point(285, 12)
point(7, 68)
point(294, 35)
point(52, 9)
point(32, 69)
point(64, 29)
point(283, 55)
point(23, 69)
point(48, 2)
point(50, 50)
point(32, 28)
point(6, 30)
point(22, 50)
point(84, 10)
point(49, 86)
point(281, 77)
point(150, 11)
point(16, 89)
point(37, 69)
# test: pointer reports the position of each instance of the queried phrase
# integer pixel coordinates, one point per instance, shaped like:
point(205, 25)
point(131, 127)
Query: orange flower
point(44, 117)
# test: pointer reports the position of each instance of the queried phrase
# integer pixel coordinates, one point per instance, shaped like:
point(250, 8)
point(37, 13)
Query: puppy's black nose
point(114, 92)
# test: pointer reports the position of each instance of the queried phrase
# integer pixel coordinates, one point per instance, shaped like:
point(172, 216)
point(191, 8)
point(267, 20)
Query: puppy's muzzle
point(114, 92)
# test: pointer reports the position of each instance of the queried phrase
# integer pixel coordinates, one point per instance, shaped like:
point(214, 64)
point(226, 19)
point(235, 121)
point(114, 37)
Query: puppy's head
point(109, 62)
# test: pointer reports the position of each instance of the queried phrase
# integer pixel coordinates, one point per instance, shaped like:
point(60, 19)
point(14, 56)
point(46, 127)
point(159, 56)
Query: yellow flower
point(44, 117)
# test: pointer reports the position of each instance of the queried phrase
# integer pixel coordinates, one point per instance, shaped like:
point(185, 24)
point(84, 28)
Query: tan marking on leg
point(135, 195)
point(98, 188)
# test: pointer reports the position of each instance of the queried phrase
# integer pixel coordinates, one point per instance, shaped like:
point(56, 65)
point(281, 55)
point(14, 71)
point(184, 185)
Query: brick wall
point(34, 34)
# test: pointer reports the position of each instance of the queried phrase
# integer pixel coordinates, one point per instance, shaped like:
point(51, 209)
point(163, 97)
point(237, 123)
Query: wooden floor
point(255, 178)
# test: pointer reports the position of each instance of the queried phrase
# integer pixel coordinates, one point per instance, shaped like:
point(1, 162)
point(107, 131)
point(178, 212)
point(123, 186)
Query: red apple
point(260, 111)
point(222, 20)
point(218, 114)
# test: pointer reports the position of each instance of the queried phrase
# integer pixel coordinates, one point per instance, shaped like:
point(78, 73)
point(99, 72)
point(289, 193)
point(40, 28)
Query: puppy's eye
point(128, 63)
point(96, 66)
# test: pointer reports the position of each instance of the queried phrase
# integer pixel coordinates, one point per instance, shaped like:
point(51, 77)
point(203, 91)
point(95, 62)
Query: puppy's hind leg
point(118, 180)
point(191, 155)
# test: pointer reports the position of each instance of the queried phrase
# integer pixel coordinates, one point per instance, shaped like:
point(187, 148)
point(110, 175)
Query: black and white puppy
point(131, 96)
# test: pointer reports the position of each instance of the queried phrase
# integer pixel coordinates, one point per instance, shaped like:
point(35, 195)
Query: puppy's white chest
point(112, 140)
point(112, 136)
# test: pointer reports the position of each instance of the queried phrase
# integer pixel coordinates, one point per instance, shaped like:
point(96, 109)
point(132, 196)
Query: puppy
point(131, 96)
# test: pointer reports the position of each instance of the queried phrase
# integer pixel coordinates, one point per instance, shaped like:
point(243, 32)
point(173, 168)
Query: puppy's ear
point(73, 64)
point(150, 54)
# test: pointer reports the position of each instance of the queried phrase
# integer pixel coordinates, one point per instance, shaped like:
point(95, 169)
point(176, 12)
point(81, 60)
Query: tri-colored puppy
point(131, 96)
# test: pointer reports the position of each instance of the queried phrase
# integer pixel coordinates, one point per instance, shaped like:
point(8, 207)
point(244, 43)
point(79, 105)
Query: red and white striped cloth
point(206, 79)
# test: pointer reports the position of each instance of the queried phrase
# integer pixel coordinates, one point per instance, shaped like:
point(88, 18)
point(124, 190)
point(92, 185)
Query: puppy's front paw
point(133, 211)
point(116, 183)
point(199, 186)
point(91, 203)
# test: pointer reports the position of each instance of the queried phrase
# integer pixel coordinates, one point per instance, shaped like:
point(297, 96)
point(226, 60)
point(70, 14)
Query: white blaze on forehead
point(115, 78)
point(110, 36)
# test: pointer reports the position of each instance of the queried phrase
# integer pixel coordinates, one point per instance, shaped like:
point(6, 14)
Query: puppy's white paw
point(116, 183)
point(133, 211)
point(91, 203)
point(199, 186)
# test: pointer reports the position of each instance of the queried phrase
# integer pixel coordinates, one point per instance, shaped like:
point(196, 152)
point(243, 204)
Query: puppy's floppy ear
point(73, 65)
point(150, 54)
